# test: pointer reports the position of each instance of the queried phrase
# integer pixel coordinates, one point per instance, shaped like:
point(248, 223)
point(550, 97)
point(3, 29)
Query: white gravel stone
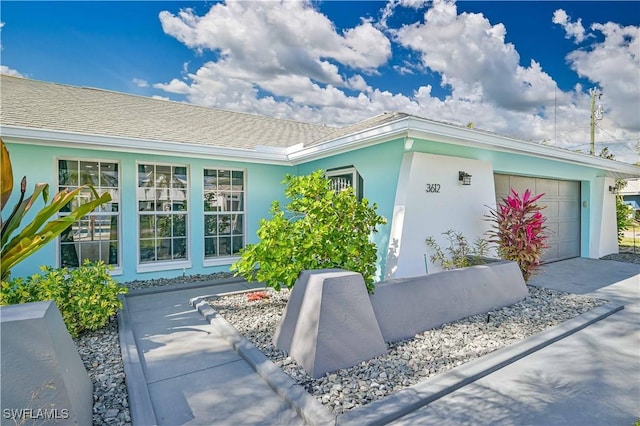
point(407, 362)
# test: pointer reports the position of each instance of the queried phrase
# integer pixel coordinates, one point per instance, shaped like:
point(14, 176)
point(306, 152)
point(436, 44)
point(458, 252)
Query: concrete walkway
point(179, 371)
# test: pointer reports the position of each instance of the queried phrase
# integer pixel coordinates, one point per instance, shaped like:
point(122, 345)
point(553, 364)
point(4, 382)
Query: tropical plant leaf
point(21, 210)
point(6, 175)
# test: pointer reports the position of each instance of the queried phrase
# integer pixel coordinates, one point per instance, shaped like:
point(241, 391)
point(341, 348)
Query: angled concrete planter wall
point(43, 377)
point(407, 306)
point(330, 322)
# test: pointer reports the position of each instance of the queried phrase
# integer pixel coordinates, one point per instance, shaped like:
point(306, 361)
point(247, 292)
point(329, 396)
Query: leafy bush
point(460, 253)
point(86, 296)
point(320, 228)
point(518, 230)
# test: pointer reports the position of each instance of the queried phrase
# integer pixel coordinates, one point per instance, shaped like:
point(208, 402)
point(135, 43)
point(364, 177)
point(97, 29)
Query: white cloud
point(140, 82)
point(10, 71)
point(573, 29)
point(474, 60)
point(286, 59)
point(614, 65)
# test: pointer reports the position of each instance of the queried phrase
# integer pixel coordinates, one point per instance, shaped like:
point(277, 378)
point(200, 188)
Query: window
point(96, 235)
point(162, 213)
point(345, 177)
point(223, 212)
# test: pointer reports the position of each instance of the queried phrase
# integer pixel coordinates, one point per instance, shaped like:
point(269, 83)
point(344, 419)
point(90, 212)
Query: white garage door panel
point(562, 201)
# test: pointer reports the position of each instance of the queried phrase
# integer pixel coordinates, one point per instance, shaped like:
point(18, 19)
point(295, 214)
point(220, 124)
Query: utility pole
point(596, 114)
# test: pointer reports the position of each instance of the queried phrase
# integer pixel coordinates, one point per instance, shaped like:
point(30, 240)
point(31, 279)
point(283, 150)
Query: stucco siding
point(38, 163)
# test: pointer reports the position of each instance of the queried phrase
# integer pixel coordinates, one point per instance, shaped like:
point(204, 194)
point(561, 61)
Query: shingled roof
point(52, 106)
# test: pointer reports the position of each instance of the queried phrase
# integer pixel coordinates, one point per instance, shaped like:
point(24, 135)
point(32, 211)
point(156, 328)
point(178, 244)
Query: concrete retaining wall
point(407, 306)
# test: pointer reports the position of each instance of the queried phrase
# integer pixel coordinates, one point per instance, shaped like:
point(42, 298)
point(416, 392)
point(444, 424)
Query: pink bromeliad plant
point(518, 230)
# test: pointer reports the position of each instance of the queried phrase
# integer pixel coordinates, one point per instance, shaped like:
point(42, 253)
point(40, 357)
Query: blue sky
point(517, 68)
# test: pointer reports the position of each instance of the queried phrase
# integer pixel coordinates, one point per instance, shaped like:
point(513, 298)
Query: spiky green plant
point(42, 228)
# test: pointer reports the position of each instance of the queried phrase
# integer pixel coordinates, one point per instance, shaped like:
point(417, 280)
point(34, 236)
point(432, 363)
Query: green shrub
point(460, 253)
point(86, 296)
point(320, 228)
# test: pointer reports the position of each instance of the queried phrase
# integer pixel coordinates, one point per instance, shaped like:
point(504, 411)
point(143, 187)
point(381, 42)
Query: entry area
point(562, 198)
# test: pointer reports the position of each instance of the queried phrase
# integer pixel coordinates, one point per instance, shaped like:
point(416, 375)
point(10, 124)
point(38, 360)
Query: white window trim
point(219, 261)
point(163, 265)
point(116, 270)
point(225, 260)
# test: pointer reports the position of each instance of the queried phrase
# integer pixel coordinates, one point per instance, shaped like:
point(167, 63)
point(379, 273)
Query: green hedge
point(86, 296)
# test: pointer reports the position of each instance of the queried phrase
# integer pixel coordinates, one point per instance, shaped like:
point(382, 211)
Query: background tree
point(319, 228)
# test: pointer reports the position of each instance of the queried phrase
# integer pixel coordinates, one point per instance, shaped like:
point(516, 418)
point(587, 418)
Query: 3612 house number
point(433, 187)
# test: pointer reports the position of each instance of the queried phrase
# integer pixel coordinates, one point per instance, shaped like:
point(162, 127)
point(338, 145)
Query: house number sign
point(433, 187)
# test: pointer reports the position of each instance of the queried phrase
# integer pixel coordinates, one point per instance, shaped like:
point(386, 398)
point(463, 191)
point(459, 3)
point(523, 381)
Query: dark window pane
point(210, 179)
point(225, 246)
point(238, 243)
point(89, 173)
point(147, 226)
point(179, 225)
point(67, 173)
point(147, 251)
point(164, 249)
point(237, 180)
point(237, 224)
point(179, 177)
point(68, 256)
point(145, 176)
point(179, 248)
point(210, 225)
point(163, 225)
point(210, 201)
point(210, 247)
point(109, 175)
point(113, 253)
point(163, 177)
point(224, 224)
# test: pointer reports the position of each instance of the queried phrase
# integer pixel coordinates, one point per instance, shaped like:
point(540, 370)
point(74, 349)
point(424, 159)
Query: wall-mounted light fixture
point(464, 178)
point(612, 189)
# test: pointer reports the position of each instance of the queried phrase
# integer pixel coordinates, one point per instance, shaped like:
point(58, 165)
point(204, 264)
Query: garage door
point(562, 199)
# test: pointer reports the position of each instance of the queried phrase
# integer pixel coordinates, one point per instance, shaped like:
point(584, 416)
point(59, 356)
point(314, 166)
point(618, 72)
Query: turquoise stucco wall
point(263, 185)
point(379, 166)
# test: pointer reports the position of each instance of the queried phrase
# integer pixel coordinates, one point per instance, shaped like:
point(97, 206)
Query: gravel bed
point(410, 361)
point(100, 353)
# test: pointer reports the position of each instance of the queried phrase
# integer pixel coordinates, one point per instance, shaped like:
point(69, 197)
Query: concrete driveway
point(589, 378)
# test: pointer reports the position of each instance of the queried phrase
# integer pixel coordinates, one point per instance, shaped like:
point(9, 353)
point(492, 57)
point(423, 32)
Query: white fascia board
point(446, 133)
point(141, 146)
point(415, 127)
point(369, 137)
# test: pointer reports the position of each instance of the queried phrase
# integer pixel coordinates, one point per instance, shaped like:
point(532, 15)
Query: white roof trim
point(415, 127)
point(412, 127)
point(142, 146)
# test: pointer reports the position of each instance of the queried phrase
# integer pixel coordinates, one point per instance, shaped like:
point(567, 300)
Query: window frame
point(227, 259)
point(171, 264)
point(116, 269)
point(356, 178)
